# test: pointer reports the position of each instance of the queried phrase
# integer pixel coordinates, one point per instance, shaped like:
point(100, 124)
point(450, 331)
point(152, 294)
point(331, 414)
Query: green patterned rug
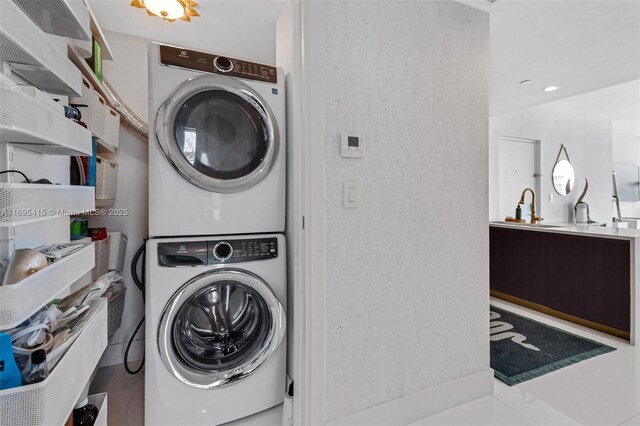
point(523, 349)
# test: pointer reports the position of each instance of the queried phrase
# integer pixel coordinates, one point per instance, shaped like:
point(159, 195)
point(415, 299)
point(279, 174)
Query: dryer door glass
point(218, 133)
point(219, 327)
point(221, 134)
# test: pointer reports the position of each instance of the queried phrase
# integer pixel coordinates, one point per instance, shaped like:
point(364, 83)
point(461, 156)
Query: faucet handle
point(538, 218)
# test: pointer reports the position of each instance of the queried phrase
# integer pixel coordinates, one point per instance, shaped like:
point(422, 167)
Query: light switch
point(351, 146)
point(351, 195)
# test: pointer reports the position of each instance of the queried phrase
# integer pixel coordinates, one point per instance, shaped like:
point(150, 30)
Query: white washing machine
point(216, 144)
point(215, 327)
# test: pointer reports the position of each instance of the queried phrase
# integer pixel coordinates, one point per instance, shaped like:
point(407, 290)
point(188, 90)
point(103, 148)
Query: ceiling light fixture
point(525, 82)
point(169, 10)
point(550, 88)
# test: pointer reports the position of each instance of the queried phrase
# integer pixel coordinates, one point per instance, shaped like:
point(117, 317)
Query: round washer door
point(219, 327)
point(217, 133)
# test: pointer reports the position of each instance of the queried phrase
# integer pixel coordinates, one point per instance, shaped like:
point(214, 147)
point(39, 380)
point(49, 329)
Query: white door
point(519, 169)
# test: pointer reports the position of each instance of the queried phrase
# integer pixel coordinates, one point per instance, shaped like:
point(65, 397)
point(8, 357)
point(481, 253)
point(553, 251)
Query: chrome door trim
point(210, 380)
point(165, 132)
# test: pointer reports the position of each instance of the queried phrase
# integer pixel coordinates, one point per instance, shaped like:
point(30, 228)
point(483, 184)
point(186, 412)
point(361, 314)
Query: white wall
point(128, 73)
point(626, 150)
point(128, 76)
point(131, 195)
point(406, 272)
point(589, 143)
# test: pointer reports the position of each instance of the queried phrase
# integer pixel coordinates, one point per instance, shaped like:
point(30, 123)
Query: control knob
point(222, 250)
point(223, 64)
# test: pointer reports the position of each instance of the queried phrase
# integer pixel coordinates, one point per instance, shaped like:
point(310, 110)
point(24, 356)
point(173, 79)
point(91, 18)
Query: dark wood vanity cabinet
point(582, 279)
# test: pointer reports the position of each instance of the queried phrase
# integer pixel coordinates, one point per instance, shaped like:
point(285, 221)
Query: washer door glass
point(218, 133)
point(220, 327)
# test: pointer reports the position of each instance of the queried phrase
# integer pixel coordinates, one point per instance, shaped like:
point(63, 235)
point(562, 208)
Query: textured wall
point(407, 271)
point(589, 143)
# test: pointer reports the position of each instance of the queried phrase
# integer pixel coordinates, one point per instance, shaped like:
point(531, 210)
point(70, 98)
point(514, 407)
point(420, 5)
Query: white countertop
point(574, 229)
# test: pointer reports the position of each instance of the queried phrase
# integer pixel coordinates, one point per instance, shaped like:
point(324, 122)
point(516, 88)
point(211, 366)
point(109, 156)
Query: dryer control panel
point(216, 252)
point(200, 61)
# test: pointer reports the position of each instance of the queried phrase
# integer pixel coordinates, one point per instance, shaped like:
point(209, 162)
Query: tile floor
point(125, 394)
point(604, 390)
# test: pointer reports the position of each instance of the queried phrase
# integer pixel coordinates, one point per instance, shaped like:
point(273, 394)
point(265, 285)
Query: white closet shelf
point(35, 126)
point(23, 203)
point(65, 18)
point(21, 300)
point(33, 55)
point(51, 401)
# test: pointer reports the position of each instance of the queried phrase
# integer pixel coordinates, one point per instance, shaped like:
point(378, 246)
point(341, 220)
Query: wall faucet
point(534, 218)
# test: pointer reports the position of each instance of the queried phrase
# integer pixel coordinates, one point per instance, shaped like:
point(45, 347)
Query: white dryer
point(216, 144)
point(215, 327)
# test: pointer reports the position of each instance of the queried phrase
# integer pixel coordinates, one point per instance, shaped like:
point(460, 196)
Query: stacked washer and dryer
point(215, 262)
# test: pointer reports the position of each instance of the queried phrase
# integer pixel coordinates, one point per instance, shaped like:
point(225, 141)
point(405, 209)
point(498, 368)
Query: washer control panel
point(216, 252)
point(200, 61)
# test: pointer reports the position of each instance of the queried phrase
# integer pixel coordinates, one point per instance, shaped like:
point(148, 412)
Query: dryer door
point(219, 328)
point(217, 133)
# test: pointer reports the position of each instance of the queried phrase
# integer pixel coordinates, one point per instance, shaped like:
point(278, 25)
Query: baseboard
point(114, 354)
point(424, 403)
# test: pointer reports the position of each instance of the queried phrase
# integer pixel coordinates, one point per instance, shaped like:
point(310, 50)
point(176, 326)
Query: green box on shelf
point(95, 61)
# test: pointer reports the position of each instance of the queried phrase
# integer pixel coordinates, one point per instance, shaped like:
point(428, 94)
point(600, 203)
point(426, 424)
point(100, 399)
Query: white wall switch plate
point(551, 198)
point(351, 146)
point(351, 194)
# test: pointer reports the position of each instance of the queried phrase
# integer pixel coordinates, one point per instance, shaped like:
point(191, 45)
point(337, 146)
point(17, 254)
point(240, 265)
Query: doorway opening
point(519, 168)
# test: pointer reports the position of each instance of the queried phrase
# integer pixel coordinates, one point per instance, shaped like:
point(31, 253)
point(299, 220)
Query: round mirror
point(563, 177)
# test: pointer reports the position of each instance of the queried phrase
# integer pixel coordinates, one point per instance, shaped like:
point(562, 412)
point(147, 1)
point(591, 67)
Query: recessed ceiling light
point(525, 82)
point(551, 88)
